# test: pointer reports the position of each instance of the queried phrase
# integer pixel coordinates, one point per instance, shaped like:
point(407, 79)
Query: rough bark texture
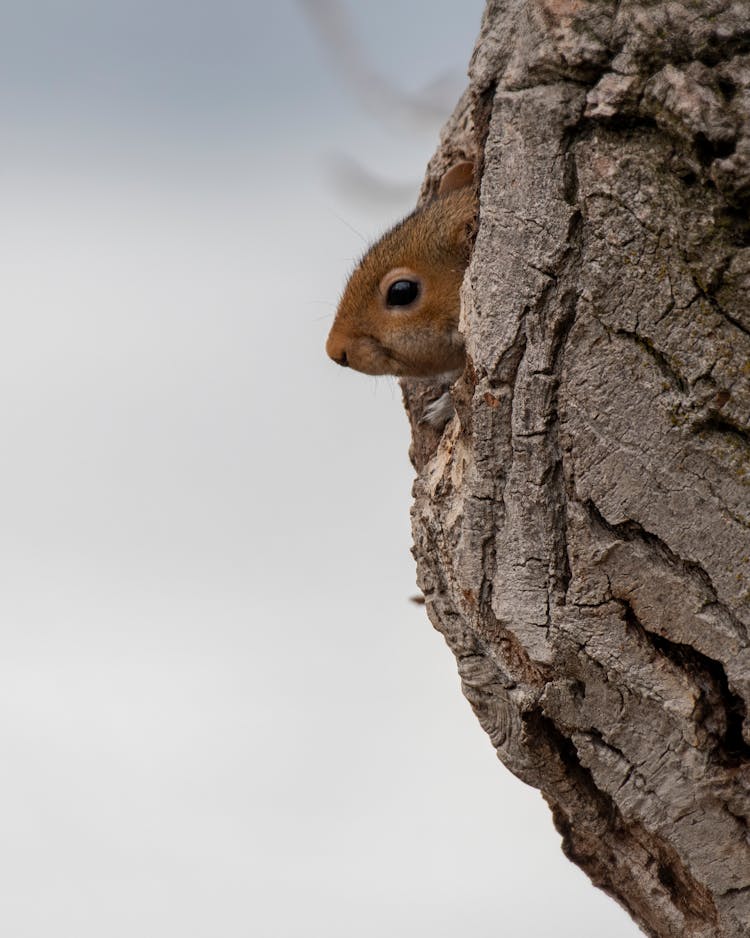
point(582, 526)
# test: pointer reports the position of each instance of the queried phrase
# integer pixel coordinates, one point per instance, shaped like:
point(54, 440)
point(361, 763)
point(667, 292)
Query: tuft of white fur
point(439, 412)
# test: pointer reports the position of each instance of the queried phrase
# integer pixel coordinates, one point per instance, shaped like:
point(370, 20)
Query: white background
point(219, 712)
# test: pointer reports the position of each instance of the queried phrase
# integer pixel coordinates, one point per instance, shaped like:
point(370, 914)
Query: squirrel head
point(399, 311)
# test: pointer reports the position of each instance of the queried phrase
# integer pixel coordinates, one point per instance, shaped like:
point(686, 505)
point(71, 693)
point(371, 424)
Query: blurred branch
point(356, 183)
point(425, 111)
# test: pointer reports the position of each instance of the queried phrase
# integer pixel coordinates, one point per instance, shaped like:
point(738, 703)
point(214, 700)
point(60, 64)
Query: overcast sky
point(219, 712)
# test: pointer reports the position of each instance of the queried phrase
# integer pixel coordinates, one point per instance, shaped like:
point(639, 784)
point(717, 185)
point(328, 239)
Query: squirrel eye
point(402, 293)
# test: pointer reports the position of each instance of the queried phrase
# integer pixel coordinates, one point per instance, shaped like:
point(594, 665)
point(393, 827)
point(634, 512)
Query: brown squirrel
point(399, 311)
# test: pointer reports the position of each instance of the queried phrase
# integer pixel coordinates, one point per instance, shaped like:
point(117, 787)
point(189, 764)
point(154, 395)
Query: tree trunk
point(582, 526)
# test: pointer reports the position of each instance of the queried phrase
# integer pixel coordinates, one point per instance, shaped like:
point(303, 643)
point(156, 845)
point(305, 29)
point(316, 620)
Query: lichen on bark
point(582, 525)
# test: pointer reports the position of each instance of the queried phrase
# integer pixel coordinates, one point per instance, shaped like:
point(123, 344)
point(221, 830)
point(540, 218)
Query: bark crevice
point(721, 711)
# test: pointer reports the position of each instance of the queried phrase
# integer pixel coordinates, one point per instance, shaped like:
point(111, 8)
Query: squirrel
point(399, 311)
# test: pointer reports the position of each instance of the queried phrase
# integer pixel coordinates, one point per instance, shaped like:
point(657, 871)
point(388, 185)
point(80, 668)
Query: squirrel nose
point(337, 351)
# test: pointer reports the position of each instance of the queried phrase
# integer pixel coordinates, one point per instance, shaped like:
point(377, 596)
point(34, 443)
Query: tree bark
point(582, 525)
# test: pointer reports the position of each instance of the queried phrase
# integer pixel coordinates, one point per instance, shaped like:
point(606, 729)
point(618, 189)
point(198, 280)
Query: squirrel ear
point(457, 177)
